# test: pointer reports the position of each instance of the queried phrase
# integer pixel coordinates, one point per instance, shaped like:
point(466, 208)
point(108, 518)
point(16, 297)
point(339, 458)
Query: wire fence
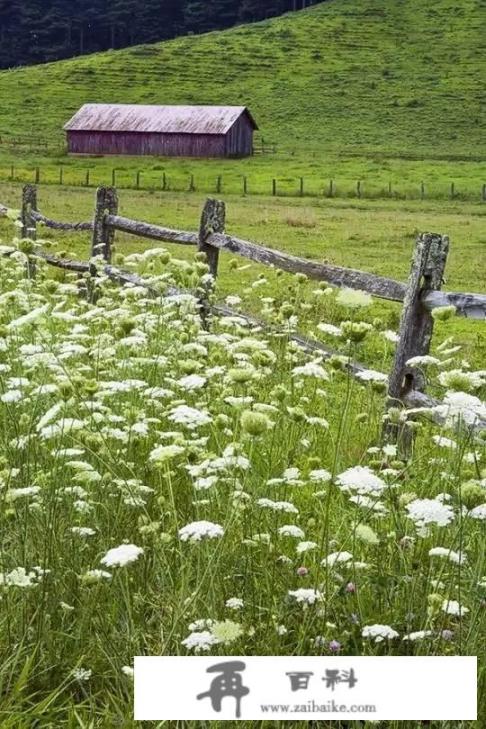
point(246, 185)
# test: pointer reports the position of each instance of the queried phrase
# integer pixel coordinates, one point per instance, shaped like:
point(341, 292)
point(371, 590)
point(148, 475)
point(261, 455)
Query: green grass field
point(385, 93)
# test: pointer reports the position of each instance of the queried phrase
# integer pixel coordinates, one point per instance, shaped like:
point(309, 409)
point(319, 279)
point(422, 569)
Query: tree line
point(37, 31)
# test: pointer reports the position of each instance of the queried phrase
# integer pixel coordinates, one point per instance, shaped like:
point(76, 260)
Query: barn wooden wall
point(239, 139)
point(237, 142)
point(146, 143)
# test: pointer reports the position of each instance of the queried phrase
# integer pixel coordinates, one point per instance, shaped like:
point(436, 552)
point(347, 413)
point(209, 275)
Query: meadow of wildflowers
point(167, 488)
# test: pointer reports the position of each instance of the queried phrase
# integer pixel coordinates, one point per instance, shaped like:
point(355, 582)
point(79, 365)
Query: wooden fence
point(298, 186)
point(420, 295)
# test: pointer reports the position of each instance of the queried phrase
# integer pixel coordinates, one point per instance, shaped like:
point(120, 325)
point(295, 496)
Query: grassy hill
point(381, 77)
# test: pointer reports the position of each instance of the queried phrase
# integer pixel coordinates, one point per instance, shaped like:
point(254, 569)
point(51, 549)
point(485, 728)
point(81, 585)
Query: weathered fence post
point(483, 193)
point(245, 185)
point(416, 325)
point(137, 180)
point(29, 226)
point(219, 182)
point(164, 182)
point(61, 175)
point(213, 220)
point(422, 191)
point(87, 178)
point(29, 203)
point(37, 176)
point(301, 187)
point(103, 234)
point(192, 184)
point(274, 187)
point(331, 188)
point(358, 188)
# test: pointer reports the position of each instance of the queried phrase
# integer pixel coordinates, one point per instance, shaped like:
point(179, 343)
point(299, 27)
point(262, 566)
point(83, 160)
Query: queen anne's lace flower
point(311, 369)
point(430, 511)
point(191, 418)
point(329, 329)
point(353, 298)
point(303, 547)
point(379, 633)
point(443, 442)
point(278, 506)
point(479, 512)
point(452, 607)
point(361, 480)
point(456, 557)
point(335, 558)
point(200, 641)
point(122, 555)
point(291, 530)
point(460, 406)
point(371, 376)
point(422, 361)
point(307, 596)
point(418, 635)
point(234, 603)
point(19, 577)
point(199, 530)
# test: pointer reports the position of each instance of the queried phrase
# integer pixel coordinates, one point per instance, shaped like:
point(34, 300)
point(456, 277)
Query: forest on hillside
point(37, 31)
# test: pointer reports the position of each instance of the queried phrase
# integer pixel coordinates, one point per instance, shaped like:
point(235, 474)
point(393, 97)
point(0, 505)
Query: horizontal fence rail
point(154, 232)
point(379, 286)
point(420, 295)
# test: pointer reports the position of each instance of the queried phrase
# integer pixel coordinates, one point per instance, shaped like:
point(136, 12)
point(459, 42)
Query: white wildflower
point(455, 557)
point(329, 329)
point(353, 298)
point(461, 406)
point(311, 369)
point(320, 475)
point(291, 530)
point(161, 453)
point(423, 360)
point(418, 635)
point(371, 376)
point(379, 632)
point(443, 442)
point(362, 480)
point(191, 418)
point(452, 607)
point(234, 603)
point(303, 547)
point(199, 530)
point(306, 596)
point(335, 558)
point(285, 506)
point(479, 512)
point(122, 555)
point(429, 511)
point(200, 641)
point(192, 382)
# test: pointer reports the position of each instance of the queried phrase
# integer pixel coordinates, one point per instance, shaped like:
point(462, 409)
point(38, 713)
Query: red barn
point(162, 131)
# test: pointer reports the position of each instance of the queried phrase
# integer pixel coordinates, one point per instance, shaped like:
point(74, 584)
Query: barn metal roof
point(163, 119)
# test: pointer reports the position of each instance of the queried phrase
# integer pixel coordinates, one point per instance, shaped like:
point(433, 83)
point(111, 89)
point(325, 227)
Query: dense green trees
point(33, 31)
